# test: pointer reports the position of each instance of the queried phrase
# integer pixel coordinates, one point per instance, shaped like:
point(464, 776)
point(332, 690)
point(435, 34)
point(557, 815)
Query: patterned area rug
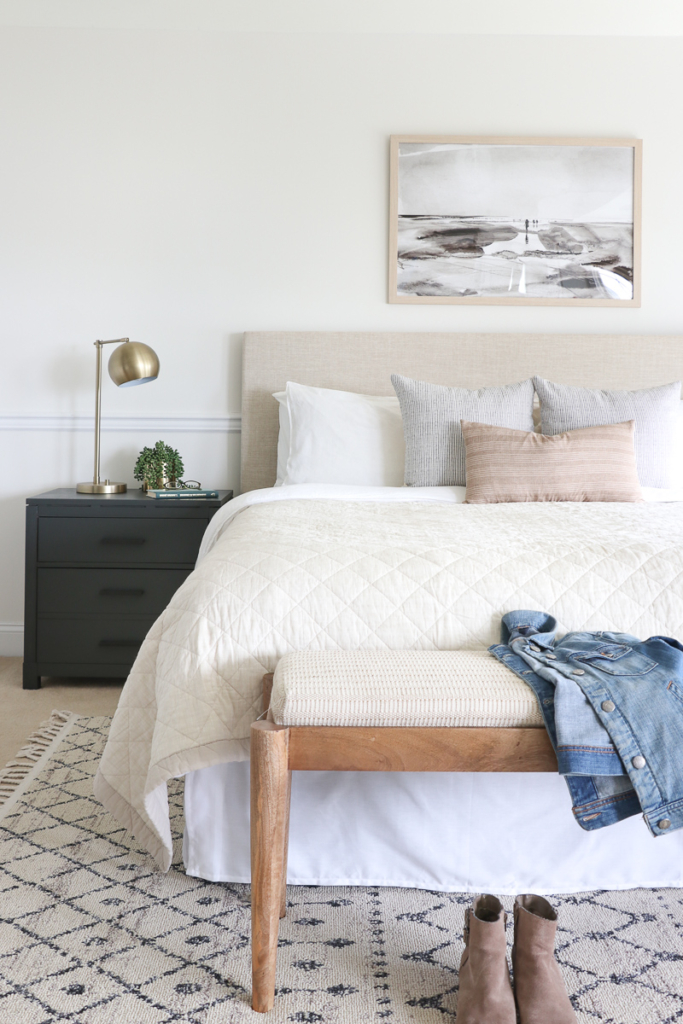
point(91, 933)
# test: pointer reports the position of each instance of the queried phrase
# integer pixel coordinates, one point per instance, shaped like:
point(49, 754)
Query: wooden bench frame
point(278, 750)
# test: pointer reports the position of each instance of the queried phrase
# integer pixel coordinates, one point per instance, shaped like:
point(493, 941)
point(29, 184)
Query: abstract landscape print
point(515, 221)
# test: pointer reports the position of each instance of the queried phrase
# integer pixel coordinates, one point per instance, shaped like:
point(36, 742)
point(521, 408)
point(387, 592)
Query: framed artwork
point(515, 221)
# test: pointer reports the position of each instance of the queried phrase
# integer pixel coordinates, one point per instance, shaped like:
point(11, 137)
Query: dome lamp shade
point(133, 363)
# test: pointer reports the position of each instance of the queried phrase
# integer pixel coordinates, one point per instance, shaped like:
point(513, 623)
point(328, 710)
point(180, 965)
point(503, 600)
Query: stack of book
point(180, 492)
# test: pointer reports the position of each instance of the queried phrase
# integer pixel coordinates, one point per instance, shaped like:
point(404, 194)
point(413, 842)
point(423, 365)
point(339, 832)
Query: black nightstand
point(99, 570)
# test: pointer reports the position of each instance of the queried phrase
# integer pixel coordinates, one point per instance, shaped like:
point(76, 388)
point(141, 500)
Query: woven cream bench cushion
point(400, 688)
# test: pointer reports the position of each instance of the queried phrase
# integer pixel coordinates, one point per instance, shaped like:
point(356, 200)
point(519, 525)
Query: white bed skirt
point(502, 833)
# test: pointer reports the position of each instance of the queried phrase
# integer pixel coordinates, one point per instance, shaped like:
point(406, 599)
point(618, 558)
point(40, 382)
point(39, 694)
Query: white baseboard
point(11, 639)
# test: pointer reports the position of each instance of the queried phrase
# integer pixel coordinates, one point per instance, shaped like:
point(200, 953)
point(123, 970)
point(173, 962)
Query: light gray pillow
point(655, 411)
point(435, 449)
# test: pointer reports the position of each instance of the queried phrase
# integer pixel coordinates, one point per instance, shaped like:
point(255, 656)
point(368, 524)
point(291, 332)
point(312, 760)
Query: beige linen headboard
point(364, 361)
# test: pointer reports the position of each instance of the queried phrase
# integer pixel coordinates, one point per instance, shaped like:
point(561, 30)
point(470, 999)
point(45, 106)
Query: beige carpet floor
point(24, 710)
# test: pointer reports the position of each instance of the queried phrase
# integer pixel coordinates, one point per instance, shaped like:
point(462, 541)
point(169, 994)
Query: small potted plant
point(160, 466)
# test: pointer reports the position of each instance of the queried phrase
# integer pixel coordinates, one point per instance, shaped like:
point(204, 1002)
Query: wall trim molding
point(11, 639)
point(121, 424)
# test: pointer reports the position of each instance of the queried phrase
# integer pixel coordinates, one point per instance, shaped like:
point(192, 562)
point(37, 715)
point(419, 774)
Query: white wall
point(487, 17)
point(183, 186)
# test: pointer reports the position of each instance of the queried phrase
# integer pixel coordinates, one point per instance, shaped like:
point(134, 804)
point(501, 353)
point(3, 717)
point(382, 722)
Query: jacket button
point(664, 823)
point(607, 705)
point(553, 657)
point(579, 672)
point(638, 761)
point(533, 648)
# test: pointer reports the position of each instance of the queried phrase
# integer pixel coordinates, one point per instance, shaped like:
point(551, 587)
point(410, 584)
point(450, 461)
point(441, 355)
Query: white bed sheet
point(502, 833)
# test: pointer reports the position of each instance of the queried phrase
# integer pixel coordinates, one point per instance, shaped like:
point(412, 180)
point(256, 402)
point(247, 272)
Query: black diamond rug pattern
point(92, 933)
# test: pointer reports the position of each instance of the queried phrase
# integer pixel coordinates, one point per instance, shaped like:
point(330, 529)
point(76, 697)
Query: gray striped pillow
point(435, 450)
point(654, 410)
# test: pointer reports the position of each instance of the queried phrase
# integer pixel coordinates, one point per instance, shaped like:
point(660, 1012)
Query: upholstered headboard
point(363, 362)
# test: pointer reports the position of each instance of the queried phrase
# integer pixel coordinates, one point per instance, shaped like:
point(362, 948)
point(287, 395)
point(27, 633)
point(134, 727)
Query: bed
point(314, 567)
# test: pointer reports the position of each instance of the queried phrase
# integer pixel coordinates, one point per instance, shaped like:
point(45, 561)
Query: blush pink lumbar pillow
point(591, 464)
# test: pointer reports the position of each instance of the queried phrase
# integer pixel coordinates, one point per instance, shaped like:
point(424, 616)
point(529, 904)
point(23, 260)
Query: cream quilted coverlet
point(307, 574)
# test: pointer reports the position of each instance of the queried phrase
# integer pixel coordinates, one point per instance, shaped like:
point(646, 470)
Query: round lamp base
point(107, 487)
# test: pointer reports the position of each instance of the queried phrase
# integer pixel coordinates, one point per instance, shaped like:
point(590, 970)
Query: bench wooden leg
point(283, 891)
point(270, 783)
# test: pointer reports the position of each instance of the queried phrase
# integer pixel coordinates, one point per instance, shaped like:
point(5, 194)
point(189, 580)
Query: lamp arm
point(98, 402)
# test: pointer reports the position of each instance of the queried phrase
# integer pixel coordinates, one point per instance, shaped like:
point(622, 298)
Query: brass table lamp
point(131, 363)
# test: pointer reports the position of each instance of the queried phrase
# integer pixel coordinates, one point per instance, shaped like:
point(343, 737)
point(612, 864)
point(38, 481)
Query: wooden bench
point(278, 750)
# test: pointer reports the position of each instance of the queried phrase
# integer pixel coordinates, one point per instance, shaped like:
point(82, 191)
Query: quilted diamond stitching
point(342, 575)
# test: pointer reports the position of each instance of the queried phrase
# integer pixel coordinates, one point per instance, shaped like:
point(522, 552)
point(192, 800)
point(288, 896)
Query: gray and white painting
point(515, 221)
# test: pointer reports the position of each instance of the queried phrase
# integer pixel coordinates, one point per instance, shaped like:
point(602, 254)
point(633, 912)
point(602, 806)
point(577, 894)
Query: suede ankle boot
point(539, 989)
point(485, 993)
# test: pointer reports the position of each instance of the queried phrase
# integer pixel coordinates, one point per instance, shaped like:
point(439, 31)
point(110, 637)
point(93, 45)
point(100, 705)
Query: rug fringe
point(16, 770)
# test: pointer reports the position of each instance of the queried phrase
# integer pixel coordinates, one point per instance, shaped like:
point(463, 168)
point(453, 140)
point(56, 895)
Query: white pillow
point(338, 437)
point(678, 450)
point(282, 437)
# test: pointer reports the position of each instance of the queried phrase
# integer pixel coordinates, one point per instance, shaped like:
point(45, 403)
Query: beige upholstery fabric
point(592, 464)
point(364, 362)
point(400, 688)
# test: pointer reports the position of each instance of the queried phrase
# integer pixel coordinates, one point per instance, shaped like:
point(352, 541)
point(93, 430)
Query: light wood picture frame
point(494, 220)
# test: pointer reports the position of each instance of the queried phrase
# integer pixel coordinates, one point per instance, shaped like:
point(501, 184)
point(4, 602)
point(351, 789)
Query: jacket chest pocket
point(616, 660)
point(675, 689)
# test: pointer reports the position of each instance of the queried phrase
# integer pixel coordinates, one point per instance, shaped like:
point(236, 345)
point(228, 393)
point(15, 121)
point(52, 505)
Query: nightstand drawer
point(107, 591)
point(96, 639)
point(93, 540)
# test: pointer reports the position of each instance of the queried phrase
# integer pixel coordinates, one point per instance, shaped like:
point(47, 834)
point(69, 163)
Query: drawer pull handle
point(123, 540)
point(121, 592)
point(120, 643)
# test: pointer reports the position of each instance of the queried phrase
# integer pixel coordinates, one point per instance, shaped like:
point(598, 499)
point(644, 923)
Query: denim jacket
point(613, 707)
